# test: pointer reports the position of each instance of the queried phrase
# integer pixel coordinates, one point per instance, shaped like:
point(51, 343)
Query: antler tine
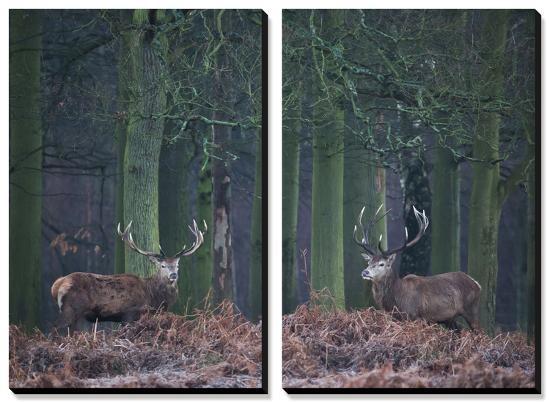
point(423, 223)
point(126, 237)
point(364, 243)
point(199, 239)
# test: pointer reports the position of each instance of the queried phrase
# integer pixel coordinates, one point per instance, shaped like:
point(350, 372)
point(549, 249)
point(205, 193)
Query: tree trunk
point(445, 253)
point(25, 242)
point(255, 282)
point(364, 185)
point(531, 254)
point(291, 181)
point(327, 213)
point(485, 203)
point(415, 260)
point(222, 271)
point(120, 130)
point(223, 251)
point(144, 138)
point(202, 273)
point(174, 217)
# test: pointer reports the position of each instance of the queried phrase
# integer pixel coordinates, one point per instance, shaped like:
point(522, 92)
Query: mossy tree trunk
point(291, 180)
point(485, 199)
point(25, 243)
point(445, 216)
point(364, 185)
point(255, 280)
point(415, 260)
point(121, 128)
point(202, 273)
point(147, 103)
point(174, 217)
point(327, 215)
point(222, 270)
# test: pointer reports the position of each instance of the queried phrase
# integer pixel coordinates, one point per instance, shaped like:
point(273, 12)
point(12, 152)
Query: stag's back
point(89, 293)
point(439, 297)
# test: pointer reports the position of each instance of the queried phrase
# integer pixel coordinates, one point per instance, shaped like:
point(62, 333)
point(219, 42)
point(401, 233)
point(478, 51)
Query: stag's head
point(167, 266)
point(377, 266)
point(380, 261)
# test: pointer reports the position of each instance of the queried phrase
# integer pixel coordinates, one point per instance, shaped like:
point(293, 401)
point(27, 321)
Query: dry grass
point(216, 348)
point(371, 349)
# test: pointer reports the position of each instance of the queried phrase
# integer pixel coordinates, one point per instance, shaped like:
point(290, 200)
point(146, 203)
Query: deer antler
point(364, 243)
point(126, 237)
point(199, 239)
point(423, 223)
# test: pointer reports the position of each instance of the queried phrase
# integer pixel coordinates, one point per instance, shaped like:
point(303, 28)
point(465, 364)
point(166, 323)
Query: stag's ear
point(367, 257)
point(391, 258)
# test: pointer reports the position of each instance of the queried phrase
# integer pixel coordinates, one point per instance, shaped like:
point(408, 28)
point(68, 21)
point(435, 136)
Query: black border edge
point(265, 244)
point(203, 391)
point(538, 301)
point(538, 250)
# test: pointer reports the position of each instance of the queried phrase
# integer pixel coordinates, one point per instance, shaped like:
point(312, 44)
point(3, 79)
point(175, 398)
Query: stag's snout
point(173, 276)
point(366, 275)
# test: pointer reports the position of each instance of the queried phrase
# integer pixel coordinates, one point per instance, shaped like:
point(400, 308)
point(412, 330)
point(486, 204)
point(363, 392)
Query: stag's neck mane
point(385, 290)
point(162, 293)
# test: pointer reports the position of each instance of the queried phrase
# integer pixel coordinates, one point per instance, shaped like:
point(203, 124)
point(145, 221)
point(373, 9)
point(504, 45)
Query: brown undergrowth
point(215, 348)
point(372, 349)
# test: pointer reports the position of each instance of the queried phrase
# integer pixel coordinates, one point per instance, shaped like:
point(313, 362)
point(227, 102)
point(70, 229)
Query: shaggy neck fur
point(385, 289)
point(162, 292)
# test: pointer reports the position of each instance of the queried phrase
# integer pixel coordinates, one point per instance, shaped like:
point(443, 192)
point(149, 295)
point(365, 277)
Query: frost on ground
point(211, 349)
point(372, 349)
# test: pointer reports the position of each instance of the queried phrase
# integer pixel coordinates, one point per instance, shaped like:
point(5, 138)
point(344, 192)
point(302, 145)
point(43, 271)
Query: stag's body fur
point(440, 298)
point(117, 298)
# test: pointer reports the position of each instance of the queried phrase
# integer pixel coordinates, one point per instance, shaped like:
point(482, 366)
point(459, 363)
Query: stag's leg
point(471, 314)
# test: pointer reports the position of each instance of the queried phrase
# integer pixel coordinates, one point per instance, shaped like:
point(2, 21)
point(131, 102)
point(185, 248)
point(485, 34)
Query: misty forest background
point(430, 108)
point(141, 115)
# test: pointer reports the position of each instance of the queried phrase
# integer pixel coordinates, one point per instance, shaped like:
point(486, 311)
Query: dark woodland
point(389, 109)
point(149, 117)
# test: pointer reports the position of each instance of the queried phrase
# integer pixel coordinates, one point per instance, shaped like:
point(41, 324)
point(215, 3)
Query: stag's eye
point(380, 264)
point(163, 266)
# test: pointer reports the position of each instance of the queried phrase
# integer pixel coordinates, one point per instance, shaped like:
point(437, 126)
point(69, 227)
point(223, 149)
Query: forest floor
point(372, 349)
point(212, 349)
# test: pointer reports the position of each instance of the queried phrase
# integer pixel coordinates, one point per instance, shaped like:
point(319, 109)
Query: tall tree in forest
point(25, 246)
point(147, 104)
point(364, 186)
point(255, 280)
point(445, 209)
point(222, 272)
point(292, 95)
point(445, 215)
point(174, 217)
point(202, 275)
point(488, 190)
point(125, 19)
point(417, 193)
point(327, 254)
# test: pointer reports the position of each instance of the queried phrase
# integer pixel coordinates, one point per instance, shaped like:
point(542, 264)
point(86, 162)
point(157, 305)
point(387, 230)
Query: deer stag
point(439, 298)
point(121, 297)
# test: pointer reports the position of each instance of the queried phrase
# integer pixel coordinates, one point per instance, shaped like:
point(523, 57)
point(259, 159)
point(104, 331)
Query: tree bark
point(255, 281)
point(174, 217)
point(121, 128)
point(364, 185)
point(144, 138)
point(485, 203)
point(327, 252)
point(25, 227)
point(291, 181)
point(202, 273)
point(445, 253)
